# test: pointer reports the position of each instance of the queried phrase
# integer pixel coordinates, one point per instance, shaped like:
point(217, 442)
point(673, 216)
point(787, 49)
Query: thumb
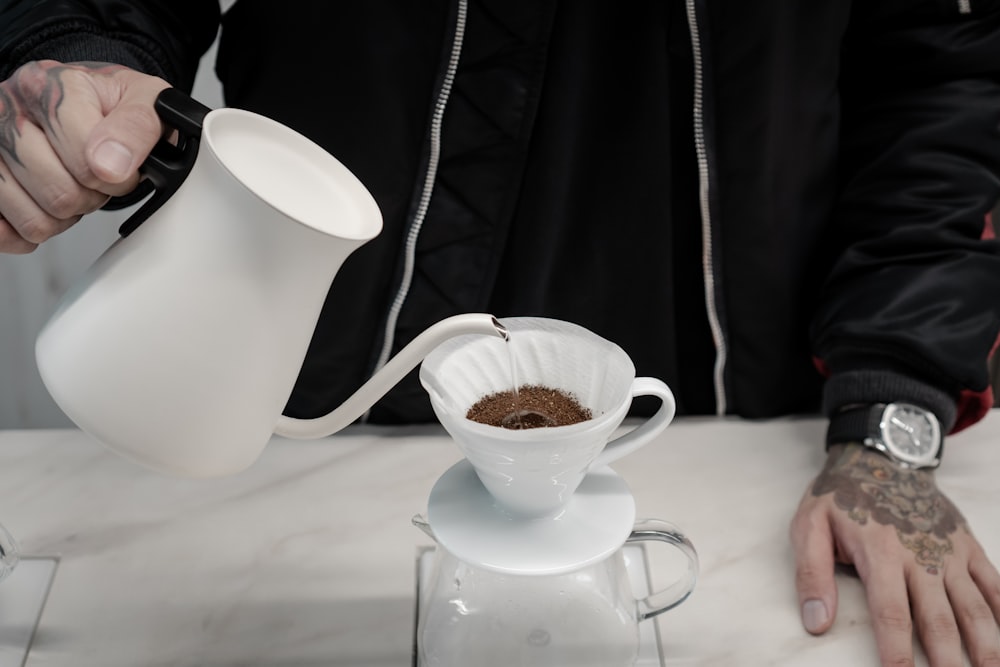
point(124, 137)
point(813, 544)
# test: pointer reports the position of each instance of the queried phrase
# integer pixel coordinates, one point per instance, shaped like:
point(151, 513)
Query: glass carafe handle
point(9, 553)
point(666, 599)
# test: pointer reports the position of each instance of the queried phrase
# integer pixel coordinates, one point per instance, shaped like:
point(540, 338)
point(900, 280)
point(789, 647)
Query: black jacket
point(747, 196)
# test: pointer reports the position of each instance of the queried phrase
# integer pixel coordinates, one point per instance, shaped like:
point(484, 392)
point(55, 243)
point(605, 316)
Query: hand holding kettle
point(71, 136)
point(180, 355)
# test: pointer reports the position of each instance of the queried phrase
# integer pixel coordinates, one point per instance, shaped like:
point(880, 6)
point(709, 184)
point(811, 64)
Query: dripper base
point(468, 522)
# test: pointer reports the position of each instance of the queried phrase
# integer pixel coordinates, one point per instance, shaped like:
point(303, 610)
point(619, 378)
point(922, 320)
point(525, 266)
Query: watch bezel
point(929, 459)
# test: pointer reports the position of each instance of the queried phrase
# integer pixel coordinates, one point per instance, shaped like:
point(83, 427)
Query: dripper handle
point(167, 166)
point(666, 599)
point(652, 427)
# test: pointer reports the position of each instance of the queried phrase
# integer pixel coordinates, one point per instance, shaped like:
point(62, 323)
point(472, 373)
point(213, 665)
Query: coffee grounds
point(534, 407)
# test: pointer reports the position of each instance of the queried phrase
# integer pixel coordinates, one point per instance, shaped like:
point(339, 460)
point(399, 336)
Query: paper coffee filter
point(552, 353)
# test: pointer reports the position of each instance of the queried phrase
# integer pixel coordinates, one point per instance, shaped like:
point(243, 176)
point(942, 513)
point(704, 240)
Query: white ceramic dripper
point(534, 472)
point(529, 528)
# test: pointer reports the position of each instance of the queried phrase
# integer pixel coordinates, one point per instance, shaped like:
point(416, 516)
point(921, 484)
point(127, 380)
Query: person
point(777, 207)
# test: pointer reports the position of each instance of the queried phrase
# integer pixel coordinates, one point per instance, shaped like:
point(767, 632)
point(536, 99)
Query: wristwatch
point(905, 433)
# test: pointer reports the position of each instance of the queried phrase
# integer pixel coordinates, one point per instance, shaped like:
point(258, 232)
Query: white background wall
point(31, 285)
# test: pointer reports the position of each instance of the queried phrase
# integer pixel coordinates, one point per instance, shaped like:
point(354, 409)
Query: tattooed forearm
point(35, 93)
point(40, 91)
point(866, 485)
point(41, 87)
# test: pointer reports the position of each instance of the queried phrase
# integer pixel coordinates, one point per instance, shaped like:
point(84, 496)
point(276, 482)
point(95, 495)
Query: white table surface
point(307, 558)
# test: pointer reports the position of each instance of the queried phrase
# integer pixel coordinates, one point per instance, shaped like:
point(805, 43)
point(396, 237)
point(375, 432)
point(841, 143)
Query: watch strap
point(855, 424)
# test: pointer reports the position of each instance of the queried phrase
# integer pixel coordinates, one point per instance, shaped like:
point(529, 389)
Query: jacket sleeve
point(162, 37)
point(911, 309)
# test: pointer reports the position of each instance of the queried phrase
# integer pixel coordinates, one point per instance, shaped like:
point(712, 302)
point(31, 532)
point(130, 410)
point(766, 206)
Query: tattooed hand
point(71, 136)
point(913, 551)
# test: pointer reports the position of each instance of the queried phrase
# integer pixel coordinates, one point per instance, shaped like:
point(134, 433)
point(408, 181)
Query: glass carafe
point(472, 615)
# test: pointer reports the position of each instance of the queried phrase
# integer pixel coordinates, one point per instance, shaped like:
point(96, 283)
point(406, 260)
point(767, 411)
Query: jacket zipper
point(708, 270)
point(430, 176)
point(704, 203)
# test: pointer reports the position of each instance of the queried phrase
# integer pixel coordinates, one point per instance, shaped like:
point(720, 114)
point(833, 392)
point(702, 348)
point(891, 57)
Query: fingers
point(39, 196)
point(99, 119)
point(71, 136)
point(813, 543)
point(41, 173)
point(949, 609)
point(987, 580)
point(11, 242)
point(888, 602)
point(127, 130)
point(935, 620)
point(36, 217)
point(975, 618)
point(121, 141)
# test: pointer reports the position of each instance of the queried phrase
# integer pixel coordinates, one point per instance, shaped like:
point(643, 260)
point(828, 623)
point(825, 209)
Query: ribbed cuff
point(77, 41)
point(881, 386)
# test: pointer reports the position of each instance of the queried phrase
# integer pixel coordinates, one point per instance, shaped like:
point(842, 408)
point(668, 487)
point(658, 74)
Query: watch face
point(912, 434)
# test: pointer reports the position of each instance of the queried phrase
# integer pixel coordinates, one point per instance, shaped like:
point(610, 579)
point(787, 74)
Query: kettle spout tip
point(502, 331)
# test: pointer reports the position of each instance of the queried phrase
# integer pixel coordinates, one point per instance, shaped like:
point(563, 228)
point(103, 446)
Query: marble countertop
point(307, 558)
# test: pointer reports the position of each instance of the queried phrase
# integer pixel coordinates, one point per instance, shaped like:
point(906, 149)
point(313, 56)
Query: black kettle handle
point(168, 165)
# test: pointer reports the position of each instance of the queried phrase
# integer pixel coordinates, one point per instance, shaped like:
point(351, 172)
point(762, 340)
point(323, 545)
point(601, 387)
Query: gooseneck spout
point(390, 374)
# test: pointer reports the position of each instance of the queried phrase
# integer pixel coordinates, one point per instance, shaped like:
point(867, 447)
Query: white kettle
point(180, 346)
